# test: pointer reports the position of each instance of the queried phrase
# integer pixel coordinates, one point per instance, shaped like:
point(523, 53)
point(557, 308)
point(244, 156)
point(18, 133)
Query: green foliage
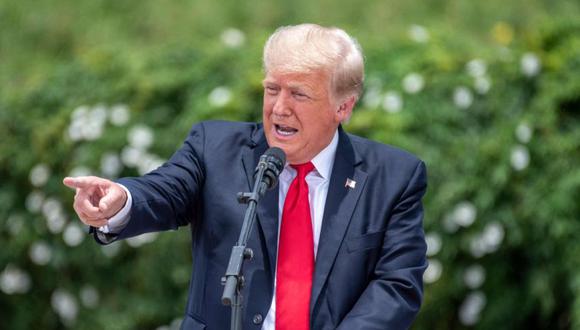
point(111, 89)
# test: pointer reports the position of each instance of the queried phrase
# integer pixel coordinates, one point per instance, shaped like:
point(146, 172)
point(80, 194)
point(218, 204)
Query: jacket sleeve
point(166, 198)
point(393, 297)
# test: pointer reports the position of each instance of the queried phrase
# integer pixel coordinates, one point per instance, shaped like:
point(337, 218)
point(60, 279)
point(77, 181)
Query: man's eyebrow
point(300, 85)
point(293, 85)
point(268, 82)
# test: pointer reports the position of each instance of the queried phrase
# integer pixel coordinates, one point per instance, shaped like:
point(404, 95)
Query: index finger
point(79, 182)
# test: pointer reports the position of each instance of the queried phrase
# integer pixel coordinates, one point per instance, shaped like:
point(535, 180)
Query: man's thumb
point(103, 206)
point(112, 202)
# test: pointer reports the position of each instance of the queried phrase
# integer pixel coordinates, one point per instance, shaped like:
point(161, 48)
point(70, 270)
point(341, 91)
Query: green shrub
point(497, 124)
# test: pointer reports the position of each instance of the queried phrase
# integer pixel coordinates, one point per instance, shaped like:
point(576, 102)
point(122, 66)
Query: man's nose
point(282, 105)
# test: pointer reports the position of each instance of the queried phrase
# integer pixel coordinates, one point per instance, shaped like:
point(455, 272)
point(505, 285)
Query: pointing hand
point(96, 199)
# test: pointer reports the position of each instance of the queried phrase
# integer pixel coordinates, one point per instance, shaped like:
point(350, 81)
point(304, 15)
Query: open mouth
point(285, 130)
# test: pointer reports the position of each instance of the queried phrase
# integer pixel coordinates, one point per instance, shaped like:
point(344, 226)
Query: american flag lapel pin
point(350, 183)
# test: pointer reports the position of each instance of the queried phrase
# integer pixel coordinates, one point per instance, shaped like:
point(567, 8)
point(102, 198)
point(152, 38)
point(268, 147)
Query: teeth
point(286, 131)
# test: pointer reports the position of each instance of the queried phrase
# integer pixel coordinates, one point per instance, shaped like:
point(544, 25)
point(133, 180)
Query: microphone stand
point(233, 281)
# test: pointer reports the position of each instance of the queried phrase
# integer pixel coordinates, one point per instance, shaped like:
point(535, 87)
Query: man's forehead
point(296, 79)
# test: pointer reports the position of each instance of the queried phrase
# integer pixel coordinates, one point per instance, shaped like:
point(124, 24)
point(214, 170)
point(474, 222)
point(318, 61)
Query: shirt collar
point(324, 160)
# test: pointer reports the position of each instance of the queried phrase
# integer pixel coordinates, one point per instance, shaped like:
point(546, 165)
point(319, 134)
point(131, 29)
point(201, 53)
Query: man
point(339, 243)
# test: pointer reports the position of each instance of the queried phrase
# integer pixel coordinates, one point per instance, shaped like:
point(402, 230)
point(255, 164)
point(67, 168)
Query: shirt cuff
point(120, 220)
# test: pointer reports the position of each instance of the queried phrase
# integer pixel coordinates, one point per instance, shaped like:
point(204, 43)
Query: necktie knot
point(303, 169)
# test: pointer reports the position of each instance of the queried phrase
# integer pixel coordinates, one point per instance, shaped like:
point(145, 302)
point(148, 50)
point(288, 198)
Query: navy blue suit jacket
point(371, 254)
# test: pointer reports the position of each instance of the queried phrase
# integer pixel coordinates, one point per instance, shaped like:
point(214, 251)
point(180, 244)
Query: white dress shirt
point(318, 181)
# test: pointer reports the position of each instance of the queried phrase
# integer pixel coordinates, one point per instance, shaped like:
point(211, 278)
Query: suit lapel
point(340, 203)
point(267, 210)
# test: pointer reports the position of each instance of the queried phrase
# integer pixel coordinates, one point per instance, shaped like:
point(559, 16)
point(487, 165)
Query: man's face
point(299, 114)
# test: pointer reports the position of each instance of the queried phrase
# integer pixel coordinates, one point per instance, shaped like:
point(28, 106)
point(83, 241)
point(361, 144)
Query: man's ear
point(344, 110)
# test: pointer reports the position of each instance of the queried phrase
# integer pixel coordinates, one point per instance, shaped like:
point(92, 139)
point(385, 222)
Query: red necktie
point(295, 256)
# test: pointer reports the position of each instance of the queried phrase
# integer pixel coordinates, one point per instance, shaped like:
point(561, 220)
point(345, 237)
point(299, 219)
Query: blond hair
point(310, 47)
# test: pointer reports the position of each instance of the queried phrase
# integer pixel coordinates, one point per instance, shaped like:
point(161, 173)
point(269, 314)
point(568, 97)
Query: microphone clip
point(246, 197)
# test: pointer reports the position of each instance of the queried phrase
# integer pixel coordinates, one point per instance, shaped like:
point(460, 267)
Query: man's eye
point(300, 96)
point(271, 90)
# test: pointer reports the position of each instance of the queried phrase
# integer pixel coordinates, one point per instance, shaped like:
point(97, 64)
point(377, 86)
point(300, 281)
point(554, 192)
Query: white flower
point(55, 225)
point(73, 235)
point(55, 218)
point(80, 171)
point(392, 102)
point(15, 223)
point(413, 83)
point(488, 241)
point(482, 85)
point(65, 305)
point(13, 280)
point(131, 156)
point(462, 97)
point(39, 175)
point(40, 253)
point(470, 310)
point(176, 324)
point(474, 276)
point(34, 201)
point(433, 241)
point(492, 236)
point(140, 137)
point(476, 68)
point(80, 112)
point(149, 163)
point(219, 96)
point(372, 98)
point(75, 130)
point(233, 38)
point(530, 64)
point(92, 130)
point(89, 296)
point(464, 214)
point(87, 124)
point(524, 133)
point(418, 33)
point(51, 208)
point(111, 250)
point(119, 115)
point(111, 165)
point(449, 223)
point(520, 157)
point(98, 115)
point(477, 247)
point(142, 239)
point(433, 271)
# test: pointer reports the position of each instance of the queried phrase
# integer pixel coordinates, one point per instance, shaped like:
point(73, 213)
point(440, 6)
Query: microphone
point(266, 175)
point(269, 167)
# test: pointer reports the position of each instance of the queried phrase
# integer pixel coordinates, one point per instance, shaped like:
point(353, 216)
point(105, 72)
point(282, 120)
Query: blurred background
point(486, 92)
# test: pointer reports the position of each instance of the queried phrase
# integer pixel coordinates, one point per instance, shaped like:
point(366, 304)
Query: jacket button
point(257, 319)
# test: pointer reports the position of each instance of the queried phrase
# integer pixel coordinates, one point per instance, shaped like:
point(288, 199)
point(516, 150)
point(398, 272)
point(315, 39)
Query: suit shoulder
point(224, 126)
point(221, 131)
point(379, 153)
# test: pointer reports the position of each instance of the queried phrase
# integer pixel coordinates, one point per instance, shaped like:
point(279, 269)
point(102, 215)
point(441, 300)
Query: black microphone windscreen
point(277, 153)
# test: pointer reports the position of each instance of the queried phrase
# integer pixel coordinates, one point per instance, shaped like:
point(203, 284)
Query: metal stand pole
point(234, 279)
